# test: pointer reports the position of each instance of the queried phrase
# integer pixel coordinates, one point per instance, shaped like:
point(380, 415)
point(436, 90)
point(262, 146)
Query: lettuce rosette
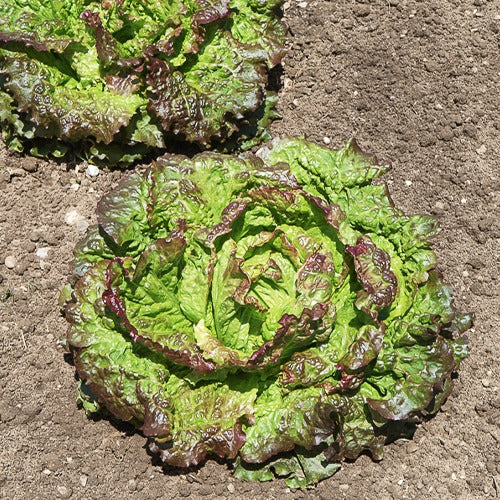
point(272, 309)
point(117, 79)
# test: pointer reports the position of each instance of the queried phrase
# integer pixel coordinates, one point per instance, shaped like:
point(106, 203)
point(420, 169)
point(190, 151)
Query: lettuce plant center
point(273, 309)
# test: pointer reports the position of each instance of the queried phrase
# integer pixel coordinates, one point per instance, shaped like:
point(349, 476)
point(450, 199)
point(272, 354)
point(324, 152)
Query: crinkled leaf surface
point(274, 309)
point(117, 79)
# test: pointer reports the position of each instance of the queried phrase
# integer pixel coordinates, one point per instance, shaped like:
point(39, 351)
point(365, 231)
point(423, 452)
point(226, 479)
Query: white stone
point(82, 225)
point(72, 217)
point(10, 262)
point(93, 171)
point(327, 140)
point(43, 252)
point(64, 491)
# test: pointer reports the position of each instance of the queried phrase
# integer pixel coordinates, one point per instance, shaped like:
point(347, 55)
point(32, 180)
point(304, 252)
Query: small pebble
point(344, 487)
point(46, 472)
point(132, 485)
point(327, 140)
point(485, 382)
point(481, 150)
point(230, 488)
point(82, 225)
point(83, 480)
point(71, 217)
point(92, 171)
point(10, 262)
point(43, 252)
point(408, 183)
point(64, 491)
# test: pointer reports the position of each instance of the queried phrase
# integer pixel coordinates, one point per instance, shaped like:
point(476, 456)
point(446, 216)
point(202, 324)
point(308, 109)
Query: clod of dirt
point(30, 164)
point(21, 268)
point(7, 413)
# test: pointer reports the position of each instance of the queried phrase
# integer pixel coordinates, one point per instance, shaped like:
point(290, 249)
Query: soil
point(414, 82)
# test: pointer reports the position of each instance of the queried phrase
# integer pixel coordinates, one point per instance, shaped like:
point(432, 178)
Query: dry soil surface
point(416, 83)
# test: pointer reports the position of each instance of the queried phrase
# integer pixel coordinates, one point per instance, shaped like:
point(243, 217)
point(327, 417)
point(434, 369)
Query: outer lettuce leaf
point(205, 420)
point(301, 469)
point(116, 80)
point(276, 310)
point(125, 377)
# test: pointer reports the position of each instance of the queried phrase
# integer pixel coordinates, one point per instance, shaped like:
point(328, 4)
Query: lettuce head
point(117, 79)
point(274, 309)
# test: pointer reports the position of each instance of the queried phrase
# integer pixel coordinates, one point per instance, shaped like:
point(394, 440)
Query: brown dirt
point(414, 82)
